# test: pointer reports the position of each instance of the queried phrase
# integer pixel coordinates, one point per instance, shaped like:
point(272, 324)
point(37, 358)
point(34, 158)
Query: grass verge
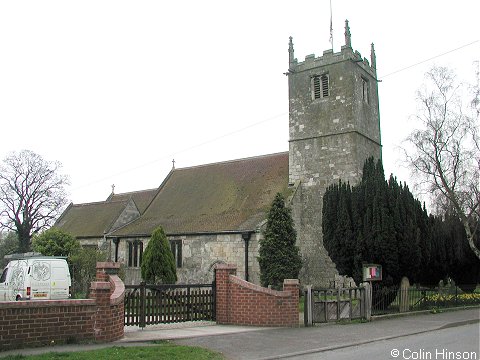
point(163, 350)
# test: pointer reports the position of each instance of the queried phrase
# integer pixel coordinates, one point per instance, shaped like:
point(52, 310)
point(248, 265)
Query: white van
point(35, 278)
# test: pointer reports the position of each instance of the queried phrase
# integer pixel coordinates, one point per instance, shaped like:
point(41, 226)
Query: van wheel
point(18, 298)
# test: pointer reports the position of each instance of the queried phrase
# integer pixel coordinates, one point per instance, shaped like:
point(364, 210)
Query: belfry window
point(320, 86)
point(365, 91)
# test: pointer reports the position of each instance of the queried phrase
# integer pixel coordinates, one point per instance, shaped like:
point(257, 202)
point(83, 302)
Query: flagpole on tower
point(331, 25)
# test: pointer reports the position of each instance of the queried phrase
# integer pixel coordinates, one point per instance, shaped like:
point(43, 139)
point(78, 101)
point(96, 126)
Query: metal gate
point(324, 305)
point(162, 304)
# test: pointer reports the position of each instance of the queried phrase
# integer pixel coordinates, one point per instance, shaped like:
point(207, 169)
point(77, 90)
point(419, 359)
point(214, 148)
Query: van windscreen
point(4, 275)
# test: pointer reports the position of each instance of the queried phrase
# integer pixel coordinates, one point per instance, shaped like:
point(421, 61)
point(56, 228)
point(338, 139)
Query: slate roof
point(221, 197)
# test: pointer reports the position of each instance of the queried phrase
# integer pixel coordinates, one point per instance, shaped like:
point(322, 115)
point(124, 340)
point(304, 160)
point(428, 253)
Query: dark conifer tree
point(463, 265)
point(434, 267)
point(343, 233)
point(359, 217)
point(373, 222)
point(381, 222)
point(279, 257)
point(158, 263)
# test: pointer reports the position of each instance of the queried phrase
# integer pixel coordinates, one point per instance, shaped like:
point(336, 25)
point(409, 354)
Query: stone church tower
point(334, 126)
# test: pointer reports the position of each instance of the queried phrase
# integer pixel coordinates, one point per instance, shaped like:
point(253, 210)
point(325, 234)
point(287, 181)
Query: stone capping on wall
point(222, 266)
point(100, 285)
point(46, 303)
point(118, 293)
point(260, 289)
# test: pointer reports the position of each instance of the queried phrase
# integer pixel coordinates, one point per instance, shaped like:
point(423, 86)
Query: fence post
point(367, 301)
point(143, 296)
point(350, 304)
point(404, 288)
point(189, 304)
point(214, 300)
point(308, 304)
point(325, 305)
point(338, 304)
point(305, 308)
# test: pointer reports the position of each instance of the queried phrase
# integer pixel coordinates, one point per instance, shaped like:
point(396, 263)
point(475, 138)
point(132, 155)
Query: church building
point(216, 213)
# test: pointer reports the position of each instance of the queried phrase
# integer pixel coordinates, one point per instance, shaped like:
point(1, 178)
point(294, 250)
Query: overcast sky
point(115, 90)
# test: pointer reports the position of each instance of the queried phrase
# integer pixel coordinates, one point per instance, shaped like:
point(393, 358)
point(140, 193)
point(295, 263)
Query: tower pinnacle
point(348, 35)
point(373, 57)
point(291, 57)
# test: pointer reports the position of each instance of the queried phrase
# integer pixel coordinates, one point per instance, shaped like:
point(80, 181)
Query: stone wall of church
point(200, 254)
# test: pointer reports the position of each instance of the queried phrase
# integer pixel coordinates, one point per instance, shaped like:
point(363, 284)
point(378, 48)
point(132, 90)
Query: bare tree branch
point(32, 194)
point(446, 147)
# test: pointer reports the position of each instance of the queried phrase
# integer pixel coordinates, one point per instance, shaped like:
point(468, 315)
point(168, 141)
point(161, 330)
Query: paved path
point(243, 342)
point(183, 331)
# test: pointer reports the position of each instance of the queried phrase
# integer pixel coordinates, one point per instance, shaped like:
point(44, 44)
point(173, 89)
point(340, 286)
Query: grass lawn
point(162, 350)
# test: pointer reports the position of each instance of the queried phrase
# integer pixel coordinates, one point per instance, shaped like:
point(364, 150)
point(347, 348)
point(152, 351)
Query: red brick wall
point(37, 323)
point(242, 303)
point(24, 324)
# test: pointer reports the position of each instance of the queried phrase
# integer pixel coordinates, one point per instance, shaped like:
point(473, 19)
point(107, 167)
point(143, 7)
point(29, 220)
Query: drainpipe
point(246, 238)
point(109, 245)
point(116, 241)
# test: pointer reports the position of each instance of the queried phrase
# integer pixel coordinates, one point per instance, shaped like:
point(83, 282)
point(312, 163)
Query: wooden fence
point(161, 304)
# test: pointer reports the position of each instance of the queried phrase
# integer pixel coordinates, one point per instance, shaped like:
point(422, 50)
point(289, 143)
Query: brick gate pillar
point(222, 292)
point(291, 308)
point(108, 291)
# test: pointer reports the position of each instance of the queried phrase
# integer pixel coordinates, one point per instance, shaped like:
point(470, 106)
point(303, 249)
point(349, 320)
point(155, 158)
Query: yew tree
point(158, 263)
point(279, 256)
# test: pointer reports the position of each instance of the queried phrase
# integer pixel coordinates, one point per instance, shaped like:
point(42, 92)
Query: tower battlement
point(330, 57)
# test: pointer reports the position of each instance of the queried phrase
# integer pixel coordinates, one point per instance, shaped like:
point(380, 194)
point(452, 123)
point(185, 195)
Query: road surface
point(452, 343)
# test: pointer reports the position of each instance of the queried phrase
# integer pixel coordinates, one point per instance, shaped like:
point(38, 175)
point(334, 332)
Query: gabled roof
point(227, 196)
point(142, 198)
point(91, 219)
point(96, 219)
